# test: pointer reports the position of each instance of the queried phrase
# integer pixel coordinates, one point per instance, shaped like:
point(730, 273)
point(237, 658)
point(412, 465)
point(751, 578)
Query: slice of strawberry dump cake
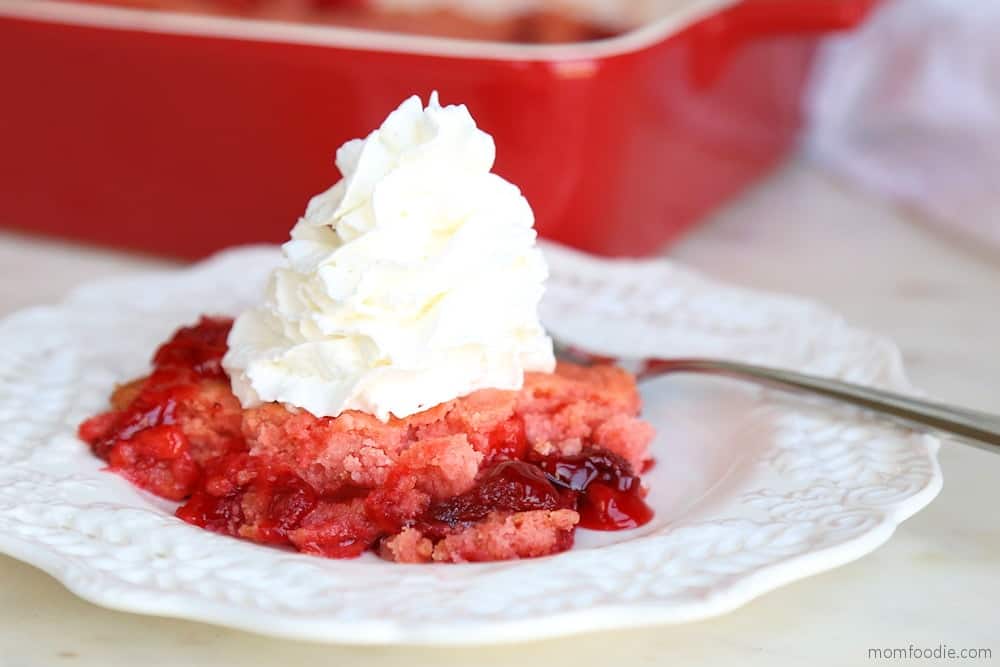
point(394, 391)
point(492, 475)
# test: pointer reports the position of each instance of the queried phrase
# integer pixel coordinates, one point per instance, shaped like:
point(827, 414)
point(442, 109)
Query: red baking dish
point(179, 134)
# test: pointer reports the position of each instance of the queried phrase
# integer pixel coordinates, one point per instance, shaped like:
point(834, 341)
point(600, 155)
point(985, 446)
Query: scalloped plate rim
point(602, 616)
point(594, 619)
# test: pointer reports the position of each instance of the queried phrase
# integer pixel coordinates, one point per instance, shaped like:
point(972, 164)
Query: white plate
point(752, 489)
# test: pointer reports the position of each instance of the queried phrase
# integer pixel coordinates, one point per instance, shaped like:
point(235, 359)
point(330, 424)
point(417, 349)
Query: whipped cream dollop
point(413, 281)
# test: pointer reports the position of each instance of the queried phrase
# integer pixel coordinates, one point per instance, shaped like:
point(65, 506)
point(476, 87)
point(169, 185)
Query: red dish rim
point(158, 21)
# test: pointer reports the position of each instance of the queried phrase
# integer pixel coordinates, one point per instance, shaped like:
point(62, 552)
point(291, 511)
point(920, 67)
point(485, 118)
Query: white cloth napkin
point(909, 106)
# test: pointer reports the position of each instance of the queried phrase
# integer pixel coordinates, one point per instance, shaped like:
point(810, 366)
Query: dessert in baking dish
point(519, 21)
point(394, 391)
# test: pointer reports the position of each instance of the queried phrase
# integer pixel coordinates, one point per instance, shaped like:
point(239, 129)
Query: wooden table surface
point(935, 583)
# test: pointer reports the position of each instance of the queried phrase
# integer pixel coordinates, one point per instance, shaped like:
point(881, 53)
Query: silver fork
point(981, 429)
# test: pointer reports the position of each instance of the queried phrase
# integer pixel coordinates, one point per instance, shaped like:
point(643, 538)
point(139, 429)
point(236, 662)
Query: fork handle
point(981, 428)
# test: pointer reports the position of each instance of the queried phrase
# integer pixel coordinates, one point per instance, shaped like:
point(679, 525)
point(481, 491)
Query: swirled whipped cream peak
point(413, 281)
